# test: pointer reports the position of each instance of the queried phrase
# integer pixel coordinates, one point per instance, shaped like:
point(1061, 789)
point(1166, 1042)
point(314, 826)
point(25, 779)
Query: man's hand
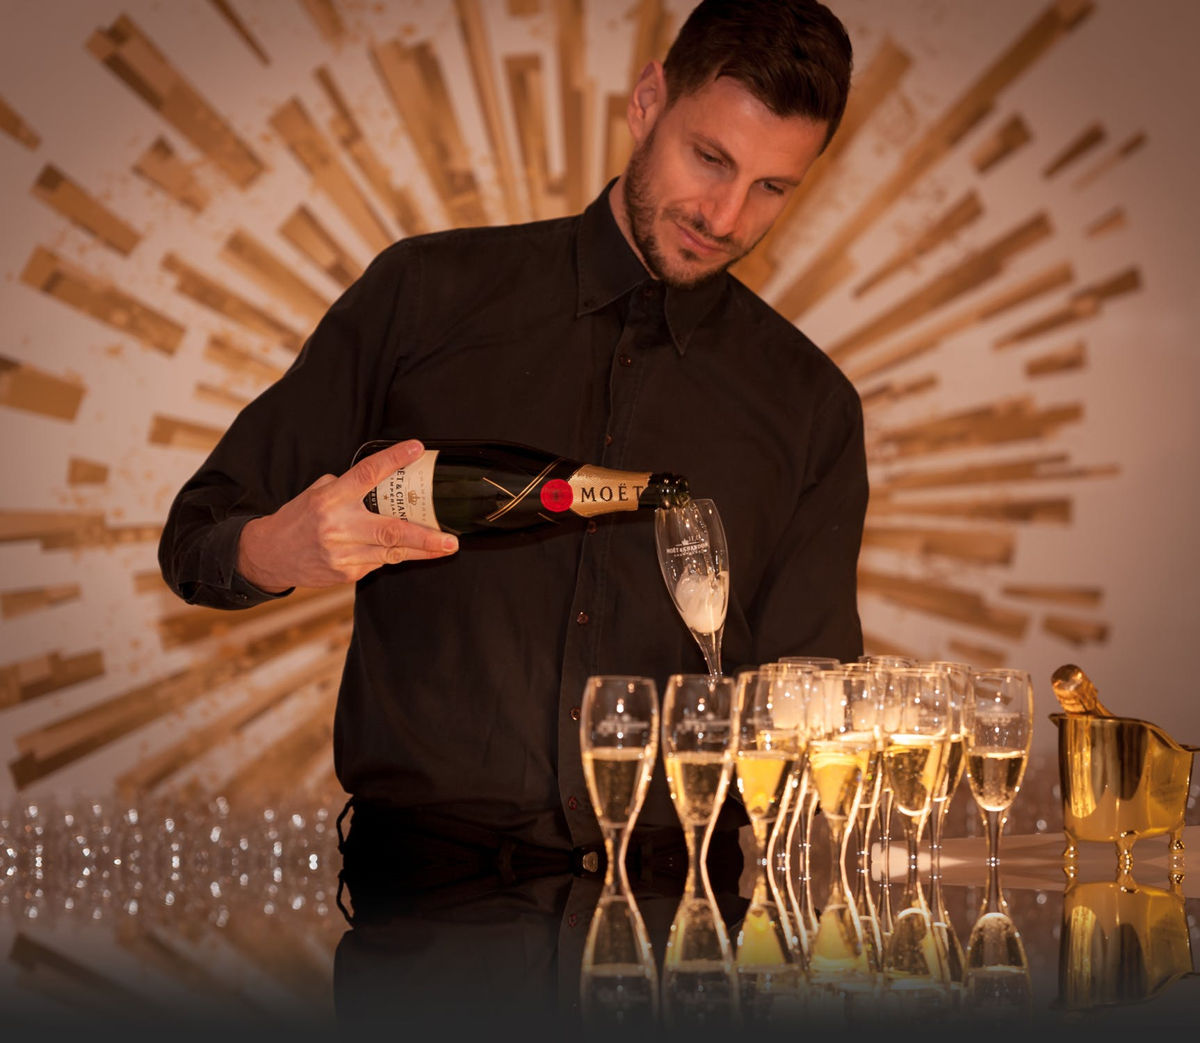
point(326, 536)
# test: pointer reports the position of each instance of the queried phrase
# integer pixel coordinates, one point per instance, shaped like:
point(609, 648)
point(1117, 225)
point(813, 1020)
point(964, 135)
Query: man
point(614, 337)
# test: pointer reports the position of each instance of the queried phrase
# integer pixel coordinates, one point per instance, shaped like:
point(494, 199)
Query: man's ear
point(647, 101)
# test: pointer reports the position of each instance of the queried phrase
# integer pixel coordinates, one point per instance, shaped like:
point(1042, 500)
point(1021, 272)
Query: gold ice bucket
point(1122, 779)
point(1120, 944)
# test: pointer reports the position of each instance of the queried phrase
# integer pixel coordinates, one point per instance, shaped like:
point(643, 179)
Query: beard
point(642, 210)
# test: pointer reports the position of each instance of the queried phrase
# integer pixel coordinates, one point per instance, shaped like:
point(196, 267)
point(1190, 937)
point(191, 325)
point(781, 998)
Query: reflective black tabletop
point(224, 920)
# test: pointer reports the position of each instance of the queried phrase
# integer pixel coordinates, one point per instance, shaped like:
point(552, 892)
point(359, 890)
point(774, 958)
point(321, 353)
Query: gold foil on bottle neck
point(602, 490)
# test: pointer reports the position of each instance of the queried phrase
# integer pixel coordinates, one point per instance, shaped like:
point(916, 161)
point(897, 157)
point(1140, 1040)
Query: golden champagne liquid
point(913, 763)
point(759, 942)
point(952, 768)
point(761, 778)
point(697, 781)
point(616, 781)
point(837, 770)
point(995, 776)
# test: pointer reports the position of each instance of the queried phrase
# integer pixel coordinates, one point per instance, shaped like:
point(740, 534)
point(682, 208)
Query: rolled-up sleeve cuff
point(220, 585)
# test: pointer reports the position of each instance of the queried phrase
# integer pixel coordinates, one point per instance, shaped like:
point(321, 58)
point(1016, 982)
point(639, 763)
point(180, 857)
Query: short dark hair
point(793, 55)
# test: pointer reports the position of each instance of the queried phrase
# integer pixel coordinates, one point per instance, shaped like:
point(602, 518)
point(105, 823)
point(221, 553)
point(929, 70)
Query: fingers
point(373, 469)
point(404, 541)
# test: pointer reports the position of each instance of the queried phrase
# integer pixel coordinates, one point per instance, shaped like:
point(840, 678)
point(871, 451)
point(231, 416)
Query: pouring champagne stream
point(694, 559)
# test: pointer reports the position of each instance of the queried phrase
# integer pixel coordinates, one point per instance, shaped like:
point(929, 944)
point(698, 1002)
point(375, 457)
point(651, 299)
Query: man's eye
point(708, 157)
point(772, 188)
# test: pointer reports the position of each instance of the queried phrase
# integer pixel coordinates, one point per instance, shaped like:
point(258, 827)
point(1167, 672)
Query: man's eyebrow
point(710, 145)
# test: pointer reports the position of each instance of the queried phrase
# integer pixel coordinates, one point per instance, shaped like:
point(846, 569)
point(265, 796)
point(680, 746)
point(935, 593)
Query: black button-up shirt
point(464, 674)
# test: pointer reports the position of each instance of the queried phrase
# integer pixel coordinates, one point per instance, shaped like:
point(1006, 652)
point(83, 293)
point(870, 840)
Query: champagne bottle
point(1076, 692)
point(463, 487)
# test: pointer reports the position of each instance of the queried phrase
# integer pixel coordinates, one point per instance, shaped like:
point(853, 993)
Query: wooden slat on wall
point(414, 81)
point(193, 283)
point(979, 656)
point(151, 772)
point(229, 13)
point(1084, 304)
point(1076, 631)
point(101, 300)
point(526, 87)
point(1090, 138)
point(134, 59)
point(943, 228)
point(350, 136)
point(14, 603)
point(575, 90)
point(241, 362)
point(26, 387)
point(253, 259)
point(1062, 595)
point(1002, 143)
point(86, 472)
point(308, 235)
point(977, 268)
point(58, 744)
point(990, 425)
point(962, 606)
point(40, 675)
point(325, 17)
point(1122, 152)
point(479, 55)
point(163, 168)
point(1050, 467)
point(182, 434)
point(976, 546)
point(985, 309)
point(1069, 358)
point(57, 530)
point(1057, 19)
point(84, 211)
point(1025, 509)
point(16, 128)
point(318, 156)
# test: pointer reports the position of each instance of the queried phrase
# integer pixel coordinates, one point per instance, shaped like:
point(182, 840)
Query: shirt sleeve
point(307, 424)
point(808, 602)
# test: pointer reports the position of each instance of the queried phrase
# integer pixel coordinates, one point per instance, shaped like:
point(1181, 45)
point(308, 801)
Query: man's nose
point(723, 209)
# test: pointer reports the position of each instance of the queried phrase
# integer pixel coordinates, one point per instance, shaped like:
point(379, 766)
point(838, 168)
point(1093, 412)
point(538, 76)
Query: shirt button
point(608, 439)
point(572, 803)
point(649, 291)
point(581, 618)
point(572, 920)
point(591, 862)
point(625, 360)
point(591, 526)
point(574, 713)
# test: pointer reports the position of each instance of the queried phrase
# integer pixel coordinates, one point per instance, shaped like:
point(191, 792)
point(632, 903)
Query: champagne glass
point(699, 734)
point(618, 737)
point(998, 982)
point(842, 744)
point(768, 746)
point(699, 984)
point(998, 729)
point(618, 985)
point(916, 749)
point(952, 768)
point(694, 559)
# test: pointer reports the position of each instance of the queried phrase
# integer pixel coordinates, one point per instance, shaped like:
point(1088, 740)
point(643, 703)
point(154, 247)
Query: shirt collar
point(609, 269)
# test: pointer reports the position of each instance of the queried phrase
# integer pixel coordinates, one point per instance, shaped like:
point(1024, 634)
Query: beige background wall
point(1000, 250)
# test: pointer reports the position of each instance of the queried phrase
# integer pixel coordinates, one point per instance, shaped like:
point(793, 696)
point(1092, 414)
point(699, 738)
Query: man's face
point(709, 176)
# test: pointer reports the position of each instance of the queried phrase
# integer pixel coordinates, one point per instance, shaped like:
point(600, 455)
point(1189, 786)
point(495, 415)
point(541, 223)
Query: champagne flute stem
point(912, 831)
point(995, 822)
point(616, 840)
point(935, 836)
point(697, 885)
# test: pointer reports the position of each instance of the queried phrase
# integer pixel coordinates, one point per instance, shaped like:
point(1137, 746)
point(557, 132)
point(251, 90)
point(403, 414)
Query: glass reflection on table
point(216, 916)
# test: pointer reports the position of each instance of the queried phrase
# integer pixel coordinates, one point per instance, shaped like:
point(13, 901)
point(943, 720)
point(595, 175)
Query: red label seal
point(557, 496)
